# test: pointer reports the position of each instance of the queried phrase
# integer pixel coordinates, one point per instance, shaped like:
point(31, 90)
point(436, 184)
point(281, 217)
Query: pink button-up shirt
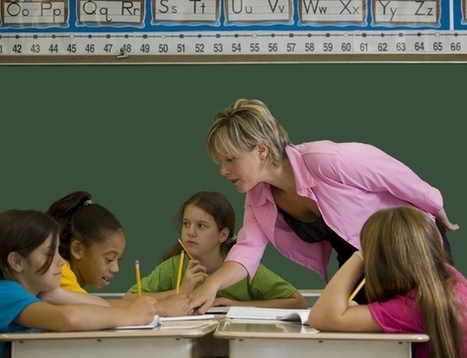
point(348, 181)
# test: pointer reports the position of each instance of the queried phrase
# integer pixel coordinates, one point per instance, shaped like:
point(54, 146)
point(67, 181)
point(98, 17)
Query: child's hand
point(143, 310)
point(175, 305)
point(49, 296)
point(194, 274)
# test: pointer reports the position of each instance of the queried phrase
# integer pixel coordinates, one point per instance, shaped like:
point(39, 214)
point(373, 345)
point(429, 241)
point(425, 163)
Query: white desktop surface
point(172, 339)
point(281, 339)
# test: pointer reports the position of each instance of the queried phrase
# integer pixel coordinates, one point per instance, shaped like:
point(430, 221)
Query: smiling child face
point(96, 265)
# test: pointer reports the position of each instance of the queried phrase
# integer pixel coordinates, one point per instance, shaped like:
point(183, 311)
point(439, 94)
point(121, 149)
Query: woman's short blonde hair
point(241, 127)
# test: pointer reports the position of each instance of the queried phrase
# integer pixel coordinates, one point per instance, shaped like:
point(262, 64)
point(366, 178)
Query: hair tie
point(88, 202)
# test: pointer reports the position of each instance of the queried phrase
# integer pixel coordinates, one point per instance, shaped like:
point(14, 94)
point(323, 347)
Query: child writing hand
point(29, 264)
point(206, 222)
point(195, 273)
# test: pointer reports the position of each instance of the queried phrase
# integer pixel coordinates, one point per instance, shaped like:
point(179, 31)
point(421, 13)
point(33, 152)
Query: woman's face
point(243, 171)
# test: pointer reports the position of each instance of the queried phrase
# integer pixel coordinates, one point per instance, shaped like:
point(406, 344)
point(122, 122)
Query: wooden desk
point(255, 339)
point(172, 339)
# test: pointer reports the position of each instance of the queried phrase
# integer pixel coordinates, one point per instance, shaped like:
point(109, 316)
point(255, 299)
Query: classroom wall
point(134, 136)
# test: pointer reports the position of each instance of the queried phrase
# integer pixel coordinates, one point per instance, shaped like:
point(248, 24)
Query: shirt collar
point(302, 175)
point(303, 179)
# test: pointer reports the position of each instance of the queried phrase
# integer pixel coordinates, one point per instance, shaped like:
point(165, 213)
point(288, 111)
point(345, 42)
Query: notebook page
point(187, 318)
point(241, 312)
point(155, 322)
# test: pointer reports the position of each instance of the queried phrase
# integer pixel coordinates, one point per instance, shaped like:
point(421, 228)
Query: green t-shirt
point(265, 285)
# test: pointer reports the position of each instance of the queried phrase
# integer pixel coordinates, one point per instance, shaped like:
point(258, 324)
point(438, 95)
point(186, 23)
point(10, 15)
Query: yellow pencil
point(179, 274)
point(138, 278)
point(184, 248)
point(354, 293)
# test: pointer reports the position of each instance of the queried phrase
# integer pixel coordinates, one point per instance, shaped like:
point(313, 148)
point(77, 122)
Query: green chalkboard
point(134, 136)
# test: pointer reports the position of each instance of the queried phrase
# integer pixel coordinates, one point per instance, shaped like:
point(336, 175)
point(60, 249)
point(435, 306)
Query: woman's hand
point(202, 298)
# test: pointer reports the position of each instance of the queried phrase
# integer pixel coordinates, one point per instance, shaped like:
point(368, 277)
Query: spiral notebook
point(279, 314)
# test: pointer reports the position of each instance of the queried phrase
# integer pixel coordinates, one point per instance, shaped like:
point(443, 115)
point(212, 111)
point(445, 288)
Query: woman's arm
point(367, 167)
point(294, 301)
point(332, 311)
point(203, 297)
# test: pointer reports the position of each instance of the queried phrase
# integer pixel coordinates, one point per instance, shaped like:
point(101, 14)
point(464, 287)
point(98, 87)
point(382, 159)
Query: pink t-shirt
point(402, 315)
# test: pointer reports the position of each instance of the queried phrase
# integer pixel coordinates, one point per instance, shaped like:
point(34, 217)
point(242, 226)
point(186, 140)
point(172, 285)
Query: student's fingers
point(452, 227)
point(144, 307)
point(193, 263)
point(190, 281)
point(199, 268)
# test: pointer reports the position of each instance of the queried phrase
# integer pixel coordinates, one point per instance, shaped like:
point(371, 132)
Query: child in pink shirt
point(409, 284)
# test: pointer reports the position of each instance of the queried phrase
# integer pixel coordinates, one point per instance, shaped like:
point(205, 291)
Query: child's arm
point(294, 301)
point(333, 312)
point(61, 296)
point(80, 317)
point(156, 295)
point(194, 274)
point(167, 303)
point(175, 305)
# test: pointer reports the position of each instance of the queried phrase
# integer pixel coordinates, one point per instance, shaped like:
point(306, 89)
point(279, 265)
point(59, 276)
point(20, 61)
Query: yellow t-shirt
point(69, 281)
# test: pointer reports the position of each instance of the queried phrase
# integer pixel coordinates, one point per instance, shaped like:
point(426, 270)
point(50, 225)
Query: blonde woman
point(306, 199)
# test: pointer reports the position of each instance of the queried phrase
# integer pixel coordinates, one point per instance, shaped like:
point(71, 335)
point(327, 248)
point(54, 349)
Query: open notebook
point(293, 315)
point(187, 318)
point(157, 321)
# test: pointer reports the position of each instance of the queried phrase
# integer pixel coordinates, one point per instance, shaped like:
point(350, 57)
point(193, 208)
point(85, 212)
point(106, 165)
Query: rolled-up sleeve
point(251, 243)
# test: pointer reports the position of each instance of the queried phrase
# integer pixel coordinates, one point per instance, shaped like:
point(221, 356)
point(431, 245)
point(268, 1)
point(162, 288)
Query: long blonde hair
point(402, 251)
point(243, 125)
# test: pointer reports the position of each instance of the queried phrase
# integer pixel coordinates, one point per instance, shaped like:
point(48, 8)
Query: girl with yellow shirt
point(92, 241)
